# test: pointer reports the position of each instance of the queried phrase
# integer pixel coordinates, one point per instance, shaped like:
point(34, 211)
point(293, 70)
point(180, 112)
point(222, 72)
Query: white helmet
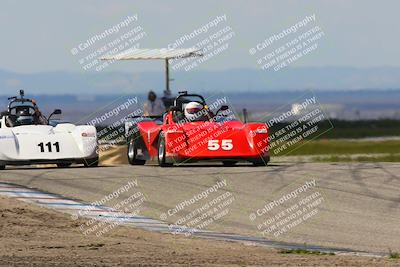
point(192, 111)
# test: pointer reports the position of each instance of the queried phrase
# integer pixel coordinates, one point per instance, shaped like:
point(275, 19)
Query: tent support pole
point(167, 75)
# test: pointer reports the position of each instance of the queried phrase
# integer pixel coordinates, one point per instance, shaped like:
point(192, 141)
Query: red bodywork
point(205, 140)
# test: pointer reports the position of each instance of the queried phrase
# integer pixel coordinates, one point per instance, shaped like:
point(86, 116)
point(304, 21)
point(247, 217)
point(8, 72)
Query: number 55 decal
point(214, 145)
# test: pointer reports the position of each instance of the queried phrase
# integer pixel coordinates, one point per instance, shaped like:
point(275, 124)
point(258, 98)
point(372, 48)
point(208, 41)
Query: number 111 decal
point(49, 147)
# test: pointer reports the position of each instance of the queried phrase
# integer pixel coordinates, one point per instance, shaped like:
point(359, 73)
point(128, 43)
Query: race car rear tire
point(89, 163)
point(162, 160)
point(132, 153)
point(229, 163)
point(2, 167)
point(63, 165)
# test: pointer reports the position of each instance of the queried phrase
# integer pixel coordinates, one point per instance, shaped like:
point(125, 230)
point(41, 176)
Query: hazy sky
point(39, 35)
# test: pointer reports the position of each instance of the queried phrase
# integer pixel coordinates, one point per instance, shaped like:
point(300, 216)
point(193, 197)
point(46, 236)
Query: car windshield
point(22, 111)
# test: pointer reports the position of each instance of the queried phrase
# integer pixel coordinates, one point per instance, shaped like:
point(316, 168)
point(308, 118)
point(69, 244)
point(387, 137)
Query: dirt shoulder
point(33, 236)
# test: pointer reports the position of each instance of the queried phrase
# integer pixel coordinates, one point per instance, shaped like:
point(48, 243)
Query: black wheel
point(63, 165)
point(132, 153)
point(229, 163)
point(261, 162)
point(162, 161)
point(2, 167)
point(94, 162)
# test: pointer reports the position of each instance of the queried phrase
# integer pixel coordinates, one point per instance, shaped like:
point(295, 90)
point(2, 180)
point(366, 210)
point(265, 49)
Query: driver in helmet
point(194, 111)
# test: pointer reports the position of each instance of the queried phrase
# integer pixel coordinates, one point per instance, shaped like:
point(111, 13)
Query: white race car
point(27, 137)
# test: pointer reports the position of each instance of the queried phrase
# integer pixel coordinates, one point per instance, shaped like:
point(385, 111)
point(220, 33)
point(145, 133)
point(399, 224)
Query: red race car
point(191, 132)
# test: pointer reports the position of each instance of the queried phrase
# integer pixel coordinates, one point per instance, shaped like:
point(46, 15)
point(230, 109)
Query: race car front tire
point(162, 160)
point(94, 162)
point(132, 153)
point(63, 165)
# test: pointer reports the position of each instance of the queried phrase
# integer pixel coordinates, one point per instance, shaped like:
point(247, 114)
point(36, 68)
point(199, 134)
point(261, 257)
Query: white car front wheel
point(63, 165)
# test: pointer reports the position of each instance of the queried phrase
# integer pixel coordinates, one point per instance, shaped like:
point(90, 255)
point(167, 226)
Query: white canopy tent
point(163, 54)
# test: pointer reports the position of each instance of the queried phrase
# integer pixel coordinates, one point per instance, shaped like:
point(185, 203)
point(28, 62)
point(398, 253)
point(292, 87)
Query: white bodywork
point(45, 143)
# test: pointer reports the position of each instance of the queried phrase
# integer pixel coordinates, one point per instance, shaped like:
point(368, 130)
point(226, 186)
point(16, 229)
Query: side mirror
point(55, 112)
point(222, 108)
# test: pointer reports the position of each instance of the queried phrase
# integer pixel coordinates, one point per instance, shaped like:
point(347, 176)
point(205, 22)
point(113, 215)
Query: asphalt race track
point(360, 208)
